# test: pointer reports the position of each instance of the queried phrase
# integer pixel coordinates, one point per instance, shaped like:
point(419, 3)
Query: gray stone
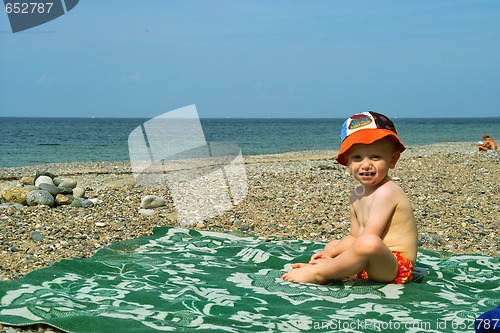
point(57, 181)
point(10, 330)
point(31, 187)
point(432, 239)
point(44, 173)
point(237, 223)
point(7, 205)
point(52, 189)
point(84, 202)
point(152, 201)
point(147, 211)
point(78, 192)
point(43, 180)
point(37, 236)
point(65, 190)
point(76, 204)
point(71, 183)
point(40, 197)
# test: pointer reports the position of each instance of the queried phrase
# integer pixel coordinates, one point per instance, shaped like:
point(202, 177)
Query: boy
point(382, 244)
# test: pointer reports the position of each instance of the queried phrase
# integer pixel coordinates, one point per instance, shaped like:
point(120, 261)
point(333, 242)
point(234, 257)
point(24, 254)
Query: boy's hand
point(319, 257)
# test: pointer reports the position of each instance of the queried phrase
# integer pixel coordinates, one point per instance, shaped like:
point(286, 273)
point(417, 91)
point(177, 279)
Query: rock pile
point(45, 189)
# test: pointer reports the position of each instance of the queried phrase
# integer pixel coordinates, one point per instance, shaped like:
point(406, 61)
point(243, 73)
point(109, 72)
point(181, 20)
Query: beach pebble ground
point(453, 189)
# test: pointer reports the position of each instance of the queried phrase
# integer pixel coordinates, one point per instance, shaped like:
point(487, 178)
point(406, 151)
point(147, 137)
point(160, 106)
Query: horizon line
point(244, 118)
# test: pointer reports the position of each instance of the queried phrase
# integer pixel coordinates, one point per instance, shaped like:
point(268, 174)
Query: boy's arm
point(381, 211)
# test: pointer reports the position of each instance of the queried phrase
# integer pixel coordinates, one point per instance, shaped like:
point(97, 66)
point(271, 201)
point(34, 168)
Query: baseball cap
point(366, 128)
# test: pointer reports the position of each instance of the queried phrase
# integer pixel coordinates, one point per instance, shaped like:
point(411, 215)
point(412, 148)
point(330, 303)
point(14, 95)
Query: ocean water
point(32, 141)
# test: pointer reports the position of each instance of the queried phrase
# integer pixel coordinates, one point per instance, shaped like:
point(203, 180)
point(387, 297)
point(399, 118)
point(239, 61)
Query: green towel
point(185, 280)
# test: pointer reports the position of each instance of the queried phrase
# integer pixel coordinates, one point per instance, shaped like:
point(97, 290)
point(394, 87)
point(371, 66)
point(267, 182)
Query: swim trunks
point(405, 270)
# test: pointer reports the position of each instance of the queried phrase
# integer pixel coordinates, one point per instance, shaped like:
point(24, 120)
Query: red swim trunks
point(405, 270)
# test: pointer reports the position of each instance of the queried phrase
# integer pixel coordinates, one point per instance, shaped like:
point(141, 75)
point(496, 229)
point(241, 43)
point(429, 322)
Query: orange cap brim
point(366, 136)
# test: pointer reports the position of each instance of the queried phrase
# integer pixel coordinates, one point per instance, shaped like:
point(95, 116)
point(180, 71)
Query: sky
point(256, 59)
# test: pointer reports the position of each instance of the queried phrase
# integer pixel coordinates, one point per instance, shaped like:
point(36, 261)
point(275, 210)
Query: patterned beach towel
point(186, 280)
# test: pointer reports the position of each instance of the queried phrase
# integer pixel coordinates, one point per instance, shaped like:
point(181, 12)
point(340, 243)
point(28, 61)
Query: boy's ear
point(394, 159)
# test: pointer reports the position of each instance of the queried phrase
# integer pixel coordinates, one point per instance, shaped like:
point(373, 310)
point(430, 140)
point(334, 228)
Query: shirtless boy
point(488, 144)
point(382, 244)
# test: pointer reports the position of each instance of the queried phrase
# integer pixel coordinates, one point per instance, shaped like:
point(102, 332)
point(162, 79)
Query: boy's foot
point(302, 274)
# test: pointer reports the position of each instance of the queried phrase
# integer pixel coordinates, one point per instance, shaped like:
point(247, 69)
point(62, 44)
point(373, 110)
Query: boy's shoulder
point(389, 191)
point(390, 188)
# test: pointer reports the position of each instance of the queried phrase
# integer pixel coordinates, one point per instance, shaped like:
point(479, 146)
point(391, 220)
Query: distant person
point(488, 144)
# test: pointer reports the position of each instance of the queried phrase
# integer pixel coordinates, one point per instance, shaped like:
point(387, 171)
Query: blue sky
point(317, 59)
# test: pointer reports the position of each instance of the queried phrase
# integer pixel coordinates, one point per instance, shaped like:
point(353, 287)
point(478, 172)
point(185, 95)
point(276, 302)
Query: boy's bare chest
point(362, 208)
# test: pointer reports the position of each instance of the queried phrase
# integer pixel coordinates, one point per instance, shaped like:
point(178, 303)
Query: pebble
point(84, 202)
point(237, 223)
point(37, 236)
point(8, 205)
point(78, 192)
point(433, 240)
point(62, 200)
point(27, 180)
point(71, 183)
point(146, 211)
point(65, 190)
point(40, 197)
point(152, 201)
point(51, 188)
point(76, 204)
point(43, 180)
point(30, 187)
point(100, 224)
point(44, 173)
point(16, 194)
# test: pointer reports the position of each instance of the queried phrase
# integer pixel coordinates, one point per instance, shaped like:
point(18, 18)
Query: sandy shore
point(453, 189)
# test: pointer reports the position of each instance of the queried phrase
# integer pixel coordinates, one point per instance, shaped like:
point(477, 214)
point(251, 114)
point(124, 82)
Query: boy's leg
point(368, 252)
point(381, 264)
point(332, 244)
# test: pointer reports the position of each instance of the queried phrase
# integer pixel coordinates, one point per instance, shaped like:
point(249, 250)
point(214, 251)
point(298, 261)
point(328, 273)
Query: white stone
point(152, 201)
point(44, 179)
point(147, 211)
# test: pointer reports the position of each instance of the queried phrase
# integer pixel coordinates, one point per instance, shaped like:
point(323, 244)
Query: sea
point(33, 141)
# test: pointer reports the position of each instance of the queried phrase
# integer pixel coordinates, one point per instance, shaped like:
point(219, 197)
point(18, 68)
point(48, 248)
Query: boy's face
point(370, 163)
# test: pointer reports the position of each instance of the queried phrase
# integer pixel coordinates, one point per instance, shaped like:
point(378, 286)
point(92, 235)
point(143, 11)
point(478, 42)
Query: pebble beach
point(453, 188)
